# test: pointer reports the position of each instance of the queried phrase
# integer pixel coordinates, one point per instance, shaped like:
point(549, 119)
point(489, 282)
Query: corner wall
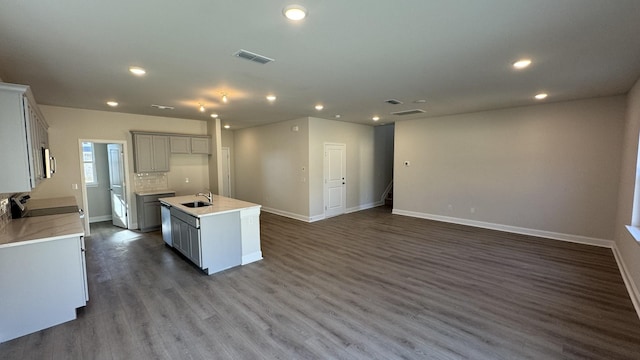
point(627, 247)
point(268, 167)
point(548, 169)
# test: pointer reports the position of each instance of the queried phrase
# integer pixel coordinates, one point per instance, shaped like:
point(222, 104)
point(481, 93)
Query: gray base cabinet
point(213, 243)
point(148, 207)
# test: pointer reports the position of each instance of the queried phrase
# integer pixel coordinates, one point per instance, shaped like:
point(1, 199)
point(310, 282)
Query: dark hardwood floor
point(367, 285)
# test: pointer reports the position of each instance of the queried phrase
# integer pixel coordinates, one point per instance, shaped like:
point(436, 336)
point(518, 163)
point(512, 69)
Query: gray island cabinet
point(215, 237)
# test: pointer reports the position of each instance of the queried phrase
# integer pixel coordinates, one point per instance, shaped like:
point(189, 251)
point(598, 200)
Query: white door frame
point(227, 170)
point(325, 194)
point(83, 190)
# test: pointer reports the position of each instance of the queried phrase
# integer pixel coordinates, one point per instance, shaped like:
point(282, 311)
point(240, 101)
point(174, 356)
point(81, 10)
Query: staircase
point(388, 201)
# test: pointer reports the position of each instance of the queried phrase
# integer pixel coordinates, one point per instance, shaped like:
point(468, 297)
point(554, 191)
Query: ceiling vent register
point(408, 112)
point(248, 55)
point(393, 102)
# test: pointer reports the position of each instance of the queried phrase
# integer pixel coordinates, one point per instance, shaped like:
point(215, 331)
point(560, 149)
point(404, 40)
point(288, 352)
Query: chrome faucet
point(209, 196)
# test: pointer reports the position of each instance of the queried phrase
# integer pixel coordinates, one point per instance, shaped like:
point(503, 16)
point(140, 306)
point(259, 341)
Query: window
point(89, 161)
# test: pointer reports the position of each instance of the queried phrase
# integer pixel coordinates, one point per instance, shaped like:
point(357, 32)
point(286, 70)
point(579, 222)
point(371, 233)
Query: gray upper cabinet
point(23, 134)
point(189, 144)
point(200, 145)
point(151, 152)
point(180, 145)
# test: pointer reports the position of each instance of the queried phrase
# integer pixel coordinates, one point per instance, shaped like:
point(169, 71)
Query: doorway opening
point(105, 182)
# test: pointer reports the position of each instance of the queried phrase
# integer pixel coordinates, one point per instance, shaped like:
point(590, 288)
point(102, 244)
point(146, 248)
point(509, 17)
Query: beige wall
point(67, 125)
point(268, 163)
point(551, 167)
point(227, 141)
point(366, 173)
point(628, 247)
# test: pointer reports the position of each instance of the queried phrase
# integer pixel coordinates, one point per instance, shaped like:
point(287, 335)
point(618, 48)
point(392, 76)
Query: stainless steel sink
point(196, 204)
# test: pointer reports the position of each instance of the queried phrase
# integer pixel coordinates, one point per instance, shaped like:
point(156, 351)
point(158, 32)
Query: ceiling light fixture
point(521, 64)
point(338, 116)
point(541, 96)
point(214, 115)
point(294, 12)
point(271, 98)
point(202, 109)
point(112, 103)
point(224, 98)
point(375, 118)
point(138, 71)
point(319, 107)
point(227, 126)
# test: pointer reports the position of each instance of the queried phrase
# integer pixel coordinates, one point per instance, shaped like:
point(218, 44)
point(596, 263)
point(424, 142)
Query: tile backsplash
point(151, 181)
point(5, 210)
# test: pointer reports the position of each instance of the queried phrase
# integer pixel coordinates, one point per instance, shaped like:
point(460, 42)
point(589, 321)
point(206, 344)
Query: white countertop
point(220, 205)
point(154, 192)
point(40, 228)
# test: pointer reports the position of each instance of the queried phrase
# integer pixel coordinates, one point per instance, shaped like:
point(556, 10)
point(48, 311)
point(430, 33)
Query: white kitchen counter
point(154, 192)
point(40, 228)
point(220, 205)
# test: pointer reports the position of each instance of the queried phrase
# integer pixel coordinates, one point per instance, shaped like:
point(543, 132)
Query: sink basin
point(196, 204)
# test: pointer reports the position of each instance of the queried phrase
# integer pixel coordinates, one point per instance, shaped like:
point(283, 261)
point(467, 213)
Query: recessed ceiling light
point(338, 116)
point(271, 98)
point(521, 64)
point(138, 71)
point(214, 115)
point(227, 126)
point(295, 12)
point(375, 118)
point(421, 101)
point(319, 107)
point(112, 103)
point(541, 96)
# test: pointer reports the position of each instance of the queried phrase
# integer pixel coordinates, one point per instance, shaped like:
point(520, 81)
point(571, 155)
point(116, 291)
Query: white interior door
point(226, 172)
point(117, 186)
point(335, 181)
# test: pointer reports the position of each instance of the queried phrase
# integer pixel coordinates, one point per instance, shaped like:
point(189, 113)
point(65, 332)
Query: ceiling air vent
point(162, 107)
point(408, 112)
point(248, 55)
point(393, 102)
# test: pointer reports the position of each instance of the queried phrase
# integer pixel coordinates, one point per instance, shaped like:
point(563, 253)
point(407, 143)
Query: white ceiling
point(350, 55)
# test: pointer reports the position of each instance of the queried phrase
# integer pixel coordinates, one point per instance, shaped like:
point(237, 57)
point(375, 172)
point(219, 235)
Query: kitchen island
point(215, 235)
point(42, 273)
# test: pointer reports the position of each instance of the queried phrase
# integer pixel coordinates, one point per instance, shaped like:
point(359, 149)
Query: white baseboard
point(364, 207)
point(253, 257)
point(634, 294)
point(287, 214)
point(511, 229)
point(100, 218)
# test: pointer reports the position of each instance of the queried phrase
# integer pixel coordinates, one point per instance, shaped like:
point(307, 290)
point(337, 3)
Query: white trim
point(512, 229)
point(100, 218)
point(634, 294)
point(287, 214)
point(634, 231)
point(247, 259)
point(364, 207)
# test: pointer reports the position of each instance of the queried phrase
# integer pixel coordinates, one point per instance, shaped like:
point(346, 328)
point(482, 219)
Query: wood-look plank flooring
point(367, 285)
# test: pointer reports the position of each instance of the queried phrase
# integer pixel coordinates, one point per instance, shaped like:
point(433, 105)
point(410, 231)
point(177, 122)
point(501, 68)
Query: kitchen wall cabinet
point(24, 135)
point(151, 152)
point(148, 209)
point(190, 145)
